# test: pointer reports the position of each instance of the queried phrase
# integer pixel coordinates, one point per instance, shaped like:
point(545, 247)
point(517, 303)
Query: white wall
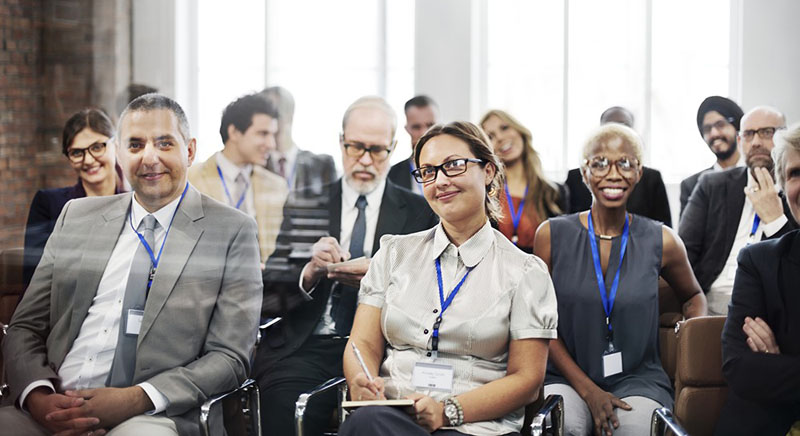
point(770, 57)
point(446, 50)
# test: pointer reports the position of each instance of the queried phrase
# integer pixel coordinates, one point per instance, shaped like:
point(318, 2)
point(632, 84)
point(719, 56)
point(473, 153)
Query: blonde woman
point(528, 198)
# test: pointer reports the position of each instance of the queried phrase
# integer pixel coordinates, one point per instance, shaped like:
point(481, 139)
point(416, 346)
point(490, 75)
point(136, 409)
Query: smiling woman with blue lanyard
point(605, 265)
point(455, 318)
point(528, 198)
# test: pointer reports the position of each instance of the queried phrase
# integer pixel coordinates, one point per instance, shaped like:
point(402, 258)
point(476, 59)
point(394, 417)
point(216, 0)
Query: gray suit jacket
point(200, 318)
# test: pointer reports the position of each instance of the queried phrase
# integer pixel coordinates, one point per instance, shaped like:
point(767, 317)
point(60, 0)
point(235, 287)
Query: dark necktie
point(282, 167)
point(121, 374)
point(345, 298)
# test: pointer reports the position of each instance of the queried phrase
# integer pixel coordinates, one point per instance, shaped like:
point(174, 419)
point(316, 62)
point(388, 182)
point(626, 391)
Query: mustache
point(759, 151)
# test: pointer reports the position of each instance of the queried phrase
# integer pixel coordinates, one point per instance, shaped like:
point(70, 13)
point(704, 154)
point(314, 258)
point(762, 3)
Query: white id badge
point(433, 376)
point(612, 363)
point(133, 322)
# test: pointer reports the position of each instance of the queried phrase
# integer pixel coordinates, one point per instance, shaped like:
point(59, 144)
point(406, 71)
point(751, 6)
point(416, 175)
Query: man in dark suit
point(760, 347)
point(113, 335)
point(649, 197)
point(421, 114)
point(318, 303)
point(718, 121)
point(303, 170)
point(732, 208)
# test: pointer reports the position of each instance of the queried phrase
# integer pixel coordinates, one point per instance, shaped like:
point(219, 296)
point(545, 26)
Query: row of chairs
point(691, 356)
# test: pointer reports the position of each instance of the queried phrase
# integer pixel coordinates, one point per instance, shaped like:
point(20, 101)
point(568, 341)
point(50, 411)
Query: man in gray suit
point(143, 305)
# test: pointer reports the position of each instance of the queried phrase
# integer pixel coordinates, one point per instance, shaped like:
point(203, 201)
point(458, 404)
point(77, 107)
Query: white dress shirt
point(349, 215)
point(507, 296)
point(719, 294)
point(88, 363)
point(229, 172)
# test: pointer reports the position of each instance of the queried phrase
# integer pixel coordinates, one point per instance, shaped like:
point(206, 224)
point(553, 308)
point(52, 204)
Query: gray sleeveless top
point(634, 318)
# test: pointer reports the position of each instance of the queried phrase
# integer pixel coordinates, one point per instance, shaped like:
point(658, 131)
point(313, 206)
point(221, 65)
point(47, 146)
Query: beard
point(759, 157)
point(726, 153)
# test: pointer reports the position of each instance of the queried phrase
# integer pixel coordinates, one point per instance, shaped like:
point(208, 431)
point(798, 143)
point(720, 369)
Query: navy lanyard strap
point(227, 193)
point(155, 259)
point(444, 302)
point(756, 222)
point(608, 299)
point(516, 215)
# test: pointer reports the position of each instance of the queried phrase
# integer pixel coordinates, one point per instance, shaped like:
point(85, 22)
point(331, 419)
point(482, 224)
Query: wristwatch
point(453, 412)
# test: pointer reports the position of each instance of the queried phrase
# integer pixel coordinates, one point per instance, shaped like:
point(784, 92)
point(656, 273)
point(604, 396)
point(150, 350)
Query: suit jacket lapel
point(335, 207)
point(211, 179)
point(734, 203)
point(392, 216)
point(106, 230)
point(180, 243)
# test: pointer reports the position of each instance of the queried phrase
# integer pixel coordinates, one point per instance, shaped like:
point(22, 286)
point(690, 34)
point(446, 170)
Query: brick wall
point(49, 51)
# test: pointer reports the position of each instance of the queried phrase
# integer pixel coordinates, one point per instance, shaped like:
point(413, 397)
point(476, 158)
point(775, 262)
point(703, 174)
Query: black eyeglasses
point(719, 125)
point(428, 173)
point(77, 155)
point(600, 166)
point(763, 133)
point(379, 153)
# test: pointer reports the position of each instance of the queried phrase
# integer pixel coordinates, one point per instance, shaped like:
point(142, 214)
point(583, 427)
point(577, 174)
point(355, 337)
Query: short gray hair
point(371, 102)
point(784, 140)
point(154, 101)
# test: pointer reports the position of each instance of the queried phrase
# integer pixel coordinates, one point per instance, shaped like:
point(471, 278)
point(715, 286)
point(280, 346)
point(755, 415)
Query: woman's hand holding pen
point(362, 389)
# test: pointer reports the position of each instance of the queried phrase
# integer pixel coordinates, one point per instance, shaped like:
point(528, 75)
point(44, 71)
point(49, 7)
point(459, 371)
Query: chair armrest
point(662, 421)
point(553, 407)
point(303, 399)
point(263, 327)
point(3, 384)
point(250, 388)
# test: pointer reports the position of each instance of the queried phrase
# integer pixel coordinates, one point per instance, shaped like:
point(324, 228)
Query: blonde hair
point(481, 147)
point(606, 132)
point(784, 140)
point(543, 194)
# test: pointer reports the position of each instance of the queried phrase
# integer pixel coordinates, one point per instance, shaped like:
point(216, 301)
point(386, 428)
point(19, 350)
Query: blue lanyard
point(227, 193)
point(147, 247)
point(516, 216)
point(756, 222)
point(445, 304)
point(608, 300)
point(413, 180)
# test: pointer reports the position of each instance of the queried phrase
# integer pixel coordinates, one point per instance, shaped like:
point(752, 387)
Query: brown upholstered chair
point(700, 389)
point(669, 309)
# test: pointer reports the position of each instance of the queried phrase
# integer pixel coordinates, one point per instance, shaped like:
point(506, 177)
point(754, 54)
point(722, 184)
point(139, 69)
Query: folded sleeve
point(376, 281)
point(534, 313)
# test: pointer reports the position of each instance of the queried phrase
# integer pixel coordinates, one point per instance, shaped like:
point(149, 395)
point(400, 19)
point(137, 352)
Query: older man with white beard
point(728, 210)
point(303, 284)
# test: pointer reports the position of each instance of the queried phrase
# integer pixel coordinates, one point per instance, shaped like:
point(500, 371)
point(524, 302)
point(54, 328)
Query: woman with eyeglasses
point(527, 198)
point(454, 318)
point(605, 265)
point(85, 143)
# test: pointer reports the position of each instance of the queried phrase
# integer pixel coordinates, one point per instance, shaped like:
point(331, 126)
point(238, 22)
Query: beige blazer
point(200, 319)
point(269, 194)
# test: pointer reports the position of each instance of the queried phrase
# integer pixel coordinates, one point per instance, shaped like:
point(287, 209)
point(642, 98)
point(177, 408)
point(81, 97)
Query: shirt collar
point(472, 251)
point(350, 195)
point(231, 170)
point(163, 215)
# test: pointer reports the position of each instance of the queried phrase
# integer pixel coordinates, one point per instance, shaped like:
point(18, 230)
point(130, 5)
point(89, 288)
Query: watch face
point(451, 411)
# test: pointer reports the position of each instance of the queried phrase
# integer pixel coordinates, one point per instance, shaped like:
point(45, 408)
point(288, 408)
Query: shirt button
point(435, 310)
point(425, 331)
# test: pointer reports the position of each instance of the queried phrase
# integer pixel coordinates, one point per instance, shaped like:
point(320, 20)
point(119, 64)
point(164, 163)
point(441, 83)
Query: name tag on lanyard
point(133, 322)
point(433, 376)
point(612, 358)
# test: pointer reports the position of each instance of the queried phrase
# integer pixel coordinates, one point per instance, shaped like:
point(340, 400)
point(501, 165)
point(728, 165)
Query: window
point(329, 58)
point(626, 53)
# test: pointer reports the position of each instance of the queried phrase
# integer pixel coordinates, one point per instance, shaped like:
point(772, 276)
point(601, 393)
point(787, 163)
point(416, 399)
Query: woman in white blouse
point(455, 318)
